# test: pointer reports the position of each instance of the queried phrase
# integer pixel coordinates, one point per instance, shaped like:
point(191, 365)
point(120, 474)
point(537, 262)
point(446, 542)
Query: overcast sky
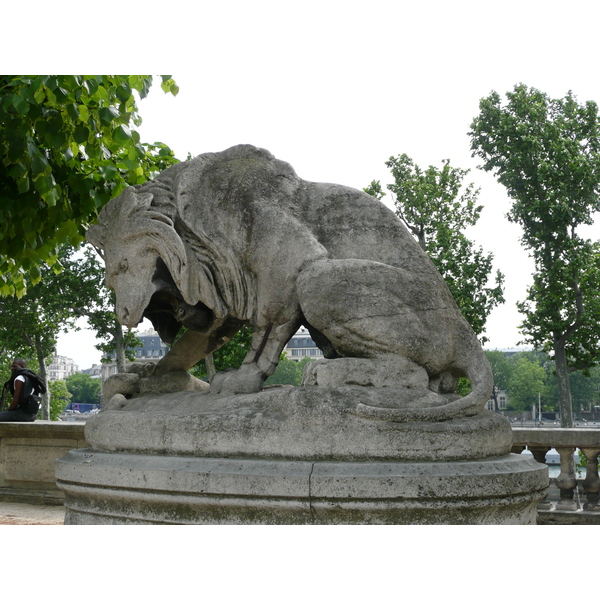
point(336, 88)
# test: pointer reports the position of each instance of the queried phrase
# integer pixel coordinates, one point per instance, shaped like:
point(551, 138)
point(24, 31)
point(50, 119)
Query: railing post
point(539, 453)
point(591, 485)
point(566, 481)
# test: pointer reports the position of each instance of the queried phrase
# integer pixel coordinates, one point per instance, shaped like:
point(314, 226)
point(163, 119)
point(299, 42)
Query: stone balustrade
point(28, 453)
point(573, 505)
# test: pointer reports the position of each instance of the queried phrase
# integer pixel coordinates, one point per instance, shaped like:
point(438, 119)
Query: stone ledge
point(28, 453)
point(538, 436)
point(564, 517)
point(43, 429)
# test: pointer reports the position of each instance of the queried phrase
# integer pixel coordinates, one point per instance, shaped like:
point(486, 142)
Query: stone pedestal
point(118, 488)
point(293, 456)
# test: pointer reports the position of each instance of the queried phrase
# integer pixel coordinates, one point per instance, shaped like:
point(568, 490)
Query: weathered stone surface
point(121, 383)
point(109, 488)
point(28, 453)
point(293, 423)
point(141, 379)
point(237, 237)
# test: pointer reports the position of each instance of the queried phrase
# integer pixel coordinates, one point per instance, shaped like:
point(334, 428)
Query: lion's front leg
point(260, 362)
point(170, 374)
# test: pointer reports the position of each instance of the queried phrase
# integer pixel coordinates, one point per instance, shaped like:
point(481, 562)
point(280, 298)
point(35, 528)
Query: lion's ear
point(96, 235)
point(132, 201)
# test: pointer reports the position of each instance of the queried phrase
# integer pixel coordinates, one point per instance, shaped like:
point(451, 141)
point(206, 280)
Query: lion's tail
point(478, 371)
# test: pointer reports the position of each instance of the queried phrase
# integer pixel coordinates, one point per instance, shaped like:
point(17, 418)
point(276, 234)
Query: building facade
point(502, 401)
point(152, 349)
point(302, 346)
point(95, 371)
point(61, 367)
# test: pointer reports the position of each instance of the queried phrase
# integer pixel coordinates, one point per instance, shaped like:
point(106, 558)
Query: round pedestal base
point(309, 424)
point(122, 488)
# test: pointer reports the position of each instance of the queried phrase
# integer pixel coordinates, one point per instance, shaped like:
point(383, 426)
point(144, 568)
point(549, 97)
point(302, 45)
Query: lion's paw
point(172, 381)
point(237, 381)
point(125, 384)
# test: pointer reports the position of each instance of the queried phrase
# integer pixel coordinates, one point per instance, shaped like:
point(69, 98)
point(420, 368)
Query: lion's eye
point(123, 266)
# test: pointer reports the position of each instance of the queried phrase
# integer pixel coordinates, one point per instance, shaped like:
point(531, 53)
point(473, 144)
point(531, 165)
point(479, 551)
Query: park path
point(13, 513)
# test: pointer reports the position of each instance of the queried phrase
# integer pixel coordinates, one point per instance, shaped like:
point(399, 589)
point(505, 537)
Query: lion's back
point(352, 224)
point(245, 190)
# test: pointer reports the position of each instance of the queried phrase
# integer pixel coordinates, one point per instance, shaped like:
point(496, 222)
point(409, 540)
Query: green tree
point(501, 368)
point(84, 388)
point(288, 372)
point(437, 208)
point(546, 152)
point(59, 398)
point(30, 325)
point(97, 303)
point(585, 390)
point(374, 189)
point(526, 384)
point(67, 145)
point(229, 356)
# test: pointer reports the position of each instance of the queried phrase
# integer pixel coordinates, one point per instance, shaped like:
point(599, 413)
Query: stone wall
point(28, 452)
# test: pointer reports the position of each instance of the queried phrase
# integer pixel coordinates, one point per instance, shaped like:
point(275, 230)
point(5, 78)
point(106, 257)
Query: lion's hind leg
point(367, 312)
point(364, 308)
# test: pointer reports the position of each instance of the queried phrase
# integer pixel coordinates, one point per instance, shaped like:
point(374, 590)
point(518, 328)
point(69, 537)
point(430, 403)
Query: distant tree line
point(529, 378)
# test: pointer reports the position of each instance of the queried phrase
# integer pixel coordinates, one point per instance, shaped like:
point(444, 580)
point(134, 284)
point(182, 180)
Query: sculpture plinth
point(293, 455)
point(118, 488)
point(376, 434)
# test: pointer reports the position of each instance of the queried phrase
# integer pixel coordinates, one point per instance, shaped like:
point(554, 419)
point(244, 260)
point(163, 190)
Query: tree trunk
point(209, 361)
point(565, 402)
point(120, 350)
point(495, 398)
point(44, 375)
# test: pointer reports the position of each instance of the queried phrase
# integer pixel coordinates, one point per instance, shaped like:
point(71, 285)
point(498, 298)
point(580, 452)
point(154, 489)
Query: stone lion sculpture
point(236, 237)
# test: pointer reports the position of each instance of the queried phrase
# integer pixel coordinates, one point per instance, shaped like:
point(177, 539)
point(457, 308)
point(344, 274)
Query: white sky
point(336, 88)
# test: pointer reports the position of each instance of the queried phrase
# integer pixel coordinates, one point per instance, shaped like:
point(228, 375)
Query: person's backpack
point(30, 396)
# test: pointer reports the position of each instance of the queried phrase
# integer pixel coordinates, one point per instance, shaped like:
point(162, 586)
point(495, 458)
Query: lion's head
point(148, 268)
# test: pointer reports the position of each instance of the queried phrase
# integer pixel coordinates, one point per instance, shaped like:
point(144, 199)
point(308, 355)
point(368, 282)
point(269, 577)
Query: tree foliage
point(97, 304)
point(30, 325)
point(288, 372)
point(522, 382)
point(67, 145)
point(229, 356)
point(84, 388)
point(437, 207)
point(59, 398)
point(546, 152)
point(501, 370)
point(526, 384)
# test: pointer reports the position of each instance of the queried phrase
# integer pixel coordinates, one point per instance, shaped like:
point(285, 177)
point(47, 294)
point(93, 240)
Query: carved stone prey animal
point(236, 237)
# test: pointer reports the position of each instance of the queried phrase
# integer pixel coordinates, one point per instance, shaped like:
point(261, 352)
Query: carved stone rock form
point(237, 237)
point(290, 424)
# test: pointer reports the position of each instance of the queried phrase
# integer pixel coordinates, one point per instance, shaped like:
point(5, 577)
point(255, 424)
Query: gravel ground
point(30, 514)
